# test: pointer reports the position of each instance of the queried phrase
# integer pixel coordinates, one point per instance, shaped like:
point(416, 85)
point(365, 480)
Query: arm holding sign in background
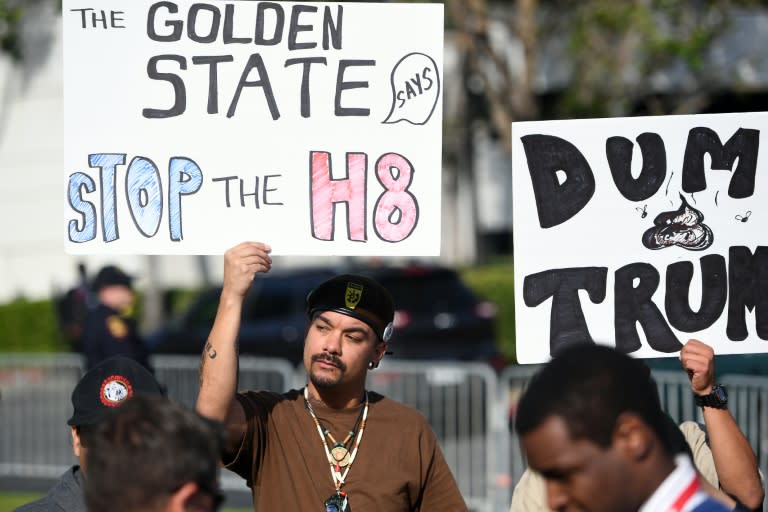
point(734, 458)
point(219, 363)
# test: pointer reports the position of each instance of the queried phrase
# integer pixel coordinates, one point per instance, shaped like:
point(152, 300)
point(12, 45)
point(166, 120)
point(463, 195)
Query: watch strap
point(717, 398)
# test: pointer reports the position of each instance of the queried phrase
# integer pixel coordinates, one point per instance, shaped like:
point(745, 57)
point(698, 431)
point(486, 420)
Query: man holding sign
point(381, 455)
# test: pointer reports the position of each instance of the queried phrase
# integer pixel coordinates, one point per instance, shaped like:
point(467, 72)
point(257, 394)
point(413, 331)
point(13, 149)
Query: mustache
point(331, 359)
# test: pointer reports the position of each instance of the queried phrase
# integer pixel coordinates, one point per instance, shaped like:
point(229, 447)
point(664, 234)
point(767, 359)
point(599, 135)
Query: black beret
point(111, 276)
point(356, 296)
point(106, 386)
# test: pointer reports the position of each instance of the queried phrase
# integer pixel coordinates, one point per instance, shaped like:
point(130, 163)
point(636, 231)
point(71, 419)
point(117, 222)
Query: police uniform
point(108, 332)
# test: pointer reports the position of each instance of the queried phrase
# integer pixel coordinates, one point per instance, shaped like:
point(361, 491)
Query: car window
point(431, 291)
point(270, 302)
point(203, 311)
point(279, 296)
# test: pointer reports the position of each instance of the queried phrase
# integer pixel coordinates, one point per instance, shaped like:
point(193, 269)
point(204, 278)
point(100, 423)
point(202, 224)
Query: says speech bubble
point(415, 89)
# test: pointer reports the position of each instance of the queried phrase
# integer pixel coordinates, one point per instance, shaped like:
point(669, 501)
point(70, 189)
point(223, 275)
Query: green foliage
point(10, 16)
point(176, 300)
point(29, 326)
point(495, 282)
point(616, 46)
point(12, 500)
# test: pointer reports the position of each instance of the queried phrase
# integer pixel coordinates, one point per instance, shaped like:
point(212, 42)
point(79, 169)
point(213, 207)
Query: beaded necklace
point(336, 458)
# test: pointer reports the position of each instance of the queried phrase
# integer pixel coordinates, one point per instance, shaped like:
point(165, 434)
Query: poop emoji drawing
point(683, 228)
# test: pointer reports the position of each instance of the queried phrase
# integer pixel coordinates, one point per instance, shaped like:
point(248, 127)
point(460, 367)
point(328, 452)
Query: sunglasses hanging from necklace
point(339, 457)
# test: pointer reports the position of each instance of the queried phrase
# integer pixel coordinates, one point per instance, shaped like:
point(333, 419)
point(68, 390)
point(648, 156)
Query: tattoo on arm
point(207, 351)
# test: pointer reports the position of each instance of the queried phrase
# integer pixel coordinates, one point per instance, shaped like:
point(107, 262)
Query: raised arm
point(735, 461)
point(218, 364)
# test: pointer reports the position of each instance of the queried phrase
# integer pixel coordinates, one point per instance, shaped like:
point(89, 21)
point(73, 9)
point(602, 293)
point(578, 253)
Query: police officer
point(109, 327)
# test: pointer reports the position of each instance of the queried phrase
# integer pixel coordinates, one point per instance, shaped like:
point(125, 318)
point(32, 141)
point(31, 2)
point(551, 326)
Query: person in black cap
point(98, 394)
point(109, 327)
point(332, 444)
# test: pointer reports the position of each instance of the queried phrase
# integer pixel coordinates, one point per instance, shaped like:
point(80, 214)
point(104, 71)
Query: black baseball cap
point(106, 386)
point(357, 296)
point(111, 275)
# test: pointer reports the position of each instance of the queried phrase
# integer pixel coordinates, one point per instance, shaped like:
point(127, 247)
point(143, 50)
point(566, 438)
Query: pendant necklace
point(339, 457)
point(340, 450)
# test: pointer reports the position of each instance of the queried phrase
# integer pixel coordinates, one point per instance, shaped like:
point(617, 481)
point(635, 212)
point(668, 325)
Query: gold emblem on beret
point(353, 295)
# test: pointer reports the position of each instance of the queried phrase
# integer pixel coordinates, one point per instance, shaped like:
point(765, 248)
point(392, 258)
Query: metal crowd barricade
point(458, 400)
point(512, 383)
point(35, 391)
point(676, 396)
point(471, 409)
point(180, 376)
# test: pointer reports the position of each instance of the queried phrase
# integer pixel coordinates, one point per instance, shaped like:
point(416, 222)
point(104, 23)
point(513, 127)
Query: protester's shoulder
point(44, 504)
point(66, 495)
point(530, 493)
point(692, 430)
point(269, 400)
point(387, 406)
point(50, 503)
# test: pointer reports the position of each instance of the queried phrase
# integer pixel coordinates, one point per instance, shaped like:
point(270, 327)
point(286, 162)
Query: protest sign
point(191, 126)
point(641, 233)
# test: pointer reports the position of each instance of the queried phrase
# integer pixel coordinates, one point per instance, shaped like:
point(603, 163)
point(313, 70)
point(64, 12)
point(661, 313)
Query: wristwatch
point(717, 398)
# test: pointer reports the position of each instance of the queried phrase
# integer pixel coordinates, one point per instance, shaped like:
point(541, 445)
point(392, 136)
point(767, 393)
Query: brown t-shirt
point(399, 465)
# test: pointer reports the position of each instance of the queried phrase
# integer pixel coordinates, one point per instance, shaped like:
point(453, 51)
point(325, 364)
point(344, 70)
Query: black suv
point(437, 316)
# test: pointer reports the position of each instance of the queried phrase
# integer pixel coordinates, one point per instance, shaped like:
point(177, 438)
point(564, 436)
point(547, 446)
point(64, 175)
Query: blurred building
point(477, 195)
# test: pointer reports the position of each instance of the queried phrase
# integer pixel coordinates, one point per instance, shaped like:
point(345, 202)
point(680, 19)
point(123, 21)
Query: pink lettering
point(396, 211)
point(326, 192)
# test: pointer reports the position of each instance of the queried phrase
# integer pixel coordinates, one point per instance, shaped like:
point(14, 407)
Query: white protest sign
point(641, 233)
point(191, 126)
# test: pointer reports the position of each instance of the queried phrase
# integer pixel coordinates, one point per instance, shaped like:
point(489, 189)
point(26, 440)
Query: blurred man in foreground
point(720, 452)
point(154, 456)
point(592, 425)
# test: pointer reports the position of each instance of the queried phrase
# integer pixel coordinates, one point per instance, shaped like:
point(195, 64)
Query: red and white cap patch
point(115, 389)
